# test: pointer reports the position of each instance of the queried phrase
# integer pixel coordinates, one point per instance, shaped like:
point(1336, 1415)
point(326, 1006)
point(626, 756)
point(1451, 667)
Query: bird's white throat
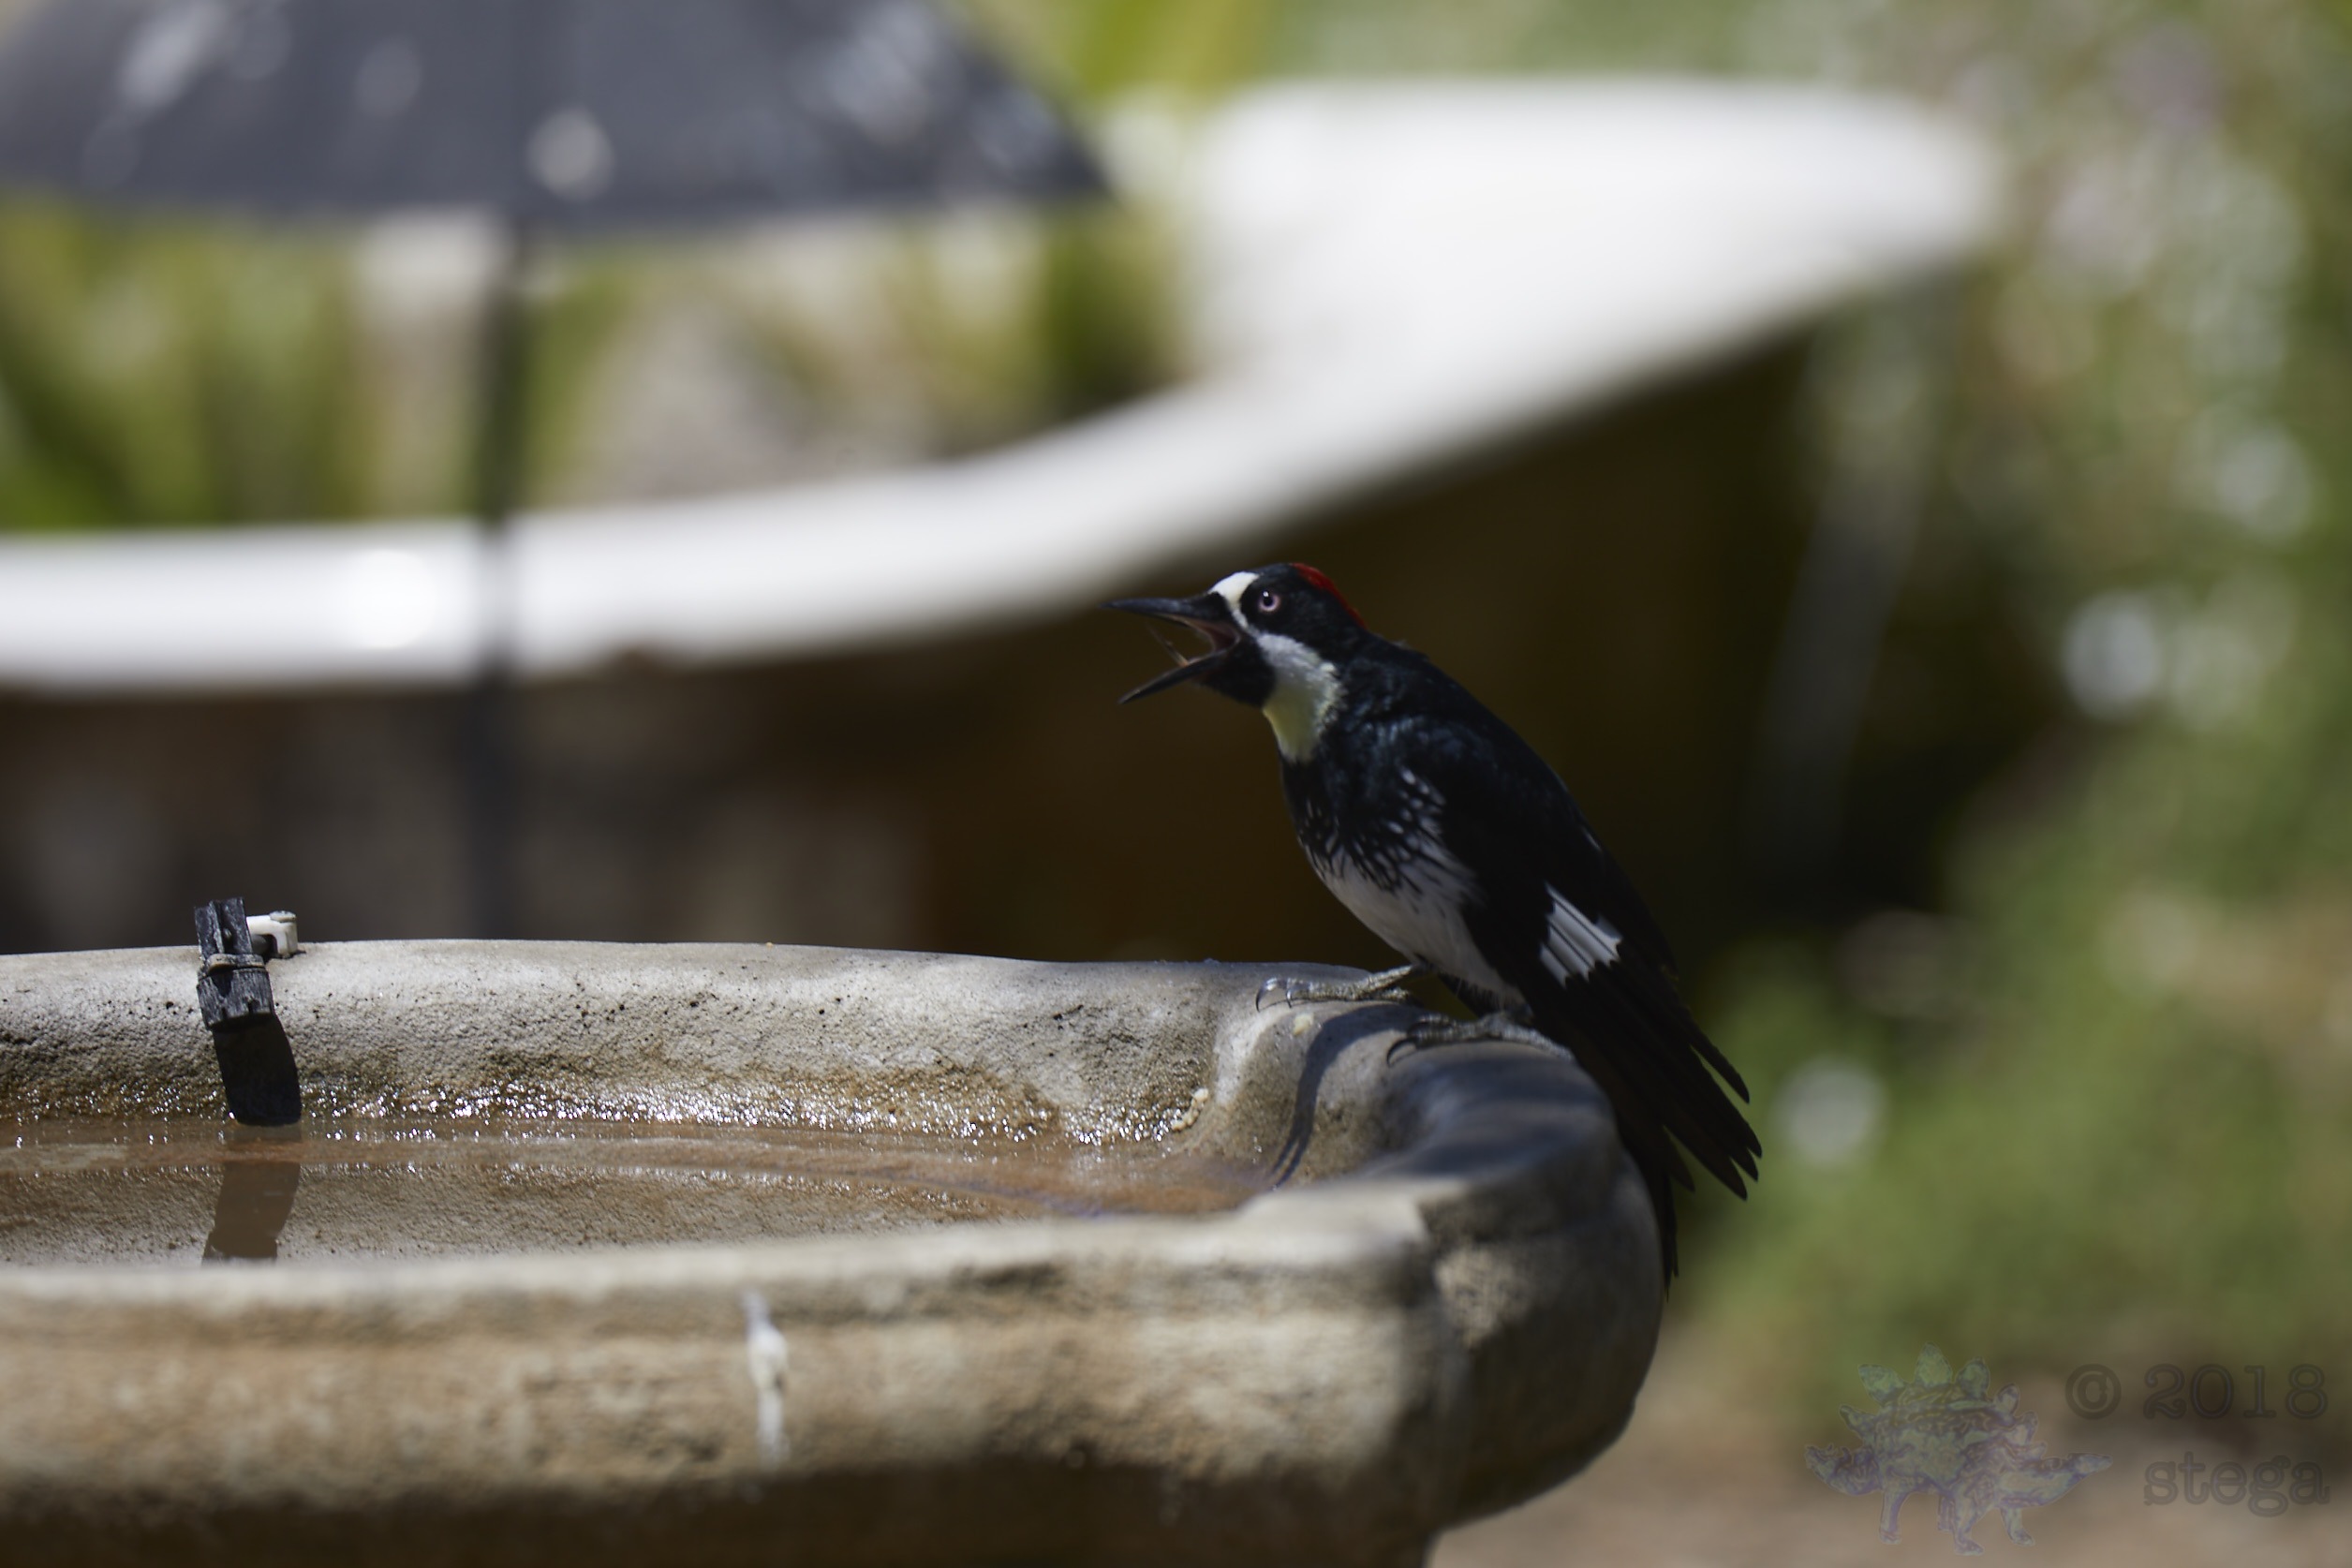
point(1306, 689)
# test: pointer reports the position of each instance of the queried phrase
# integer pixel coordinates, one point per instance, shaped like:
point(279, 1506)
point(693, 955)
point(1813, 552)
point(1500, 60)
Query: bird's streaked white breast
point(1417, 903)
point(1421, 915)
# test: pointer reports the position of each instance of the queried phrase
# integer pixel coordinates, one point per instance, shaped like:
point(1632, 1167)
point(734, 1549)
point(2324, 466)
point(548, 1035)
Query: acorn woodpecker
point(1445, 834)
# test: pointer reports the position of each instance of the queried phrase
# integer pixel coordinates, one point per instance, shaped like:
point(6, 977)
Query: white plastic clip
point(763, 1347)
point(278, 925)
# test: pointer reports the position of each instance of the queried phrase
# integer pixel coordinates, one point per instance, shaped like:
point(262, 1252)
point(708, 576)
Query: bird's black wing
point(1558, 918)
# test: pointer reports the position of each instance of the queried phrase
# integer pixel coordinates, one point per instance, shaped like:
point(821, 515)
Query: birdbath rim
point(1450, 1309)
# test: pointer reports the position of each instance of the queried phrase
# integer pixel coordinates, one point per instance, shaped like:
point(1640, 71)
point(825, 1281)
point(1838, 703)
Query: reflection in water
point(257, 1197)
point(136, 1190)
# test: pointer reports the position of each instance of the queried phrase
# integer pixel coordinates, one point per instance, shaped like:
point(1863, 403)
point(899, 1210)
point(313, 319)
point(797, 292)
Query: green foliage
point(574, 326)
point(2080, 1166)
point(160, 372)
point(992, 328)
point(2131, 1145)
point(173, 376)
point(1097, 50)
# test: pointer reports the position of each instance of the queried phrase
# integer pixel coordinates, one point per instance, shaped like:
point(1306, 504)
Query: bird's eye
point(1269, 601)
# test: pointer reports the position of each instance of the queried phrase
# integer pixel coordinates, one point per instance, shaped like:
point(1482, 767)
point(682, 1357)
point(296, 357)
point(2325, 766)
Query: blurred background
point(1964, 673)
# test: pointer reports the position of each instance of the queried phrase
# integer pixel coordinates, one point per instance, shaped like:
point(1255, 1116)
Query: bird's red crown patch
point(1316, 579)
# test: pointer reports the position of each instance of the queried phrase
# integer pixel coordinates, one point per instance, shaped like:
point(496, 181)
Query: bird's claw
point(1432, 1029)
point(1387, 986)
point(1288, 988)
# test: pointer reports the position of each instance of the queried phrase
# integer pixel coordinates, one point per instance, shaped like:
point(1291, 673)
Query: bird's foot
point(1386, 985)
point(1432, 1029)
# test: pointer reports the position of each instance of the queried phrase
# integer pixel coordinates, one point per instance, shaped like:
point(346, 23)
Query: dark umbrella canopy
point(559, 113)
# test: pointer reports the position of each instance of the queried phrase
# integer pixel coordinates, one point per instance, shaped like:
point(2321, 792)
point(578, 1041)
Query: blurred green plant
point(157, 373)
point(152, 375)
point(992, 328)
point(161, 372)
point(1098, 49)
point(2122, 1129)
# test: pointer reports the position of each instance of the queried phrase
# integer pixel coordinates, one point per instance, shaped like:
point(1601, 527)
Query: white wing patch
point(1575, 943)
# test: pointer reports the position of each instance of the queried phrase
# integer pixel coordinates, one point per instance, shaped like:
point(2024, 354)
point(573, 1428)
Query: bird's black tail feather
point(1640, 1044)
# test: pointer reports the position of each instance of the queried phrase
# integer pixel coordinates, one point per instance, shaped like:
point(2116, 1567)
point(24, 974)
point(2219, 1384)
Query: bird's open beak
point(1209, 615)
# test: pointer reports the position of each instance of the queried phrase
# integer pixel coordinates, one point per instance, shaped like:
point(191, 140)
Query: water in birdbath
point(168, 1190)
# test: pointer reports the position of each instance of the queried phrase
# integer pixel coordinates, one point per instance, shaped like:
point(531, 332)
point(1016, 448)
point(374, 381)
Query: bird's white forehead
point(1231, 588)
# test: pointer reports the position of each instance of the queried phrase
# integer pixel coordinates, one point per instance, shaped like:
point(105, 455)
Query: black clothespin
point(233, 989)
point(232, 984)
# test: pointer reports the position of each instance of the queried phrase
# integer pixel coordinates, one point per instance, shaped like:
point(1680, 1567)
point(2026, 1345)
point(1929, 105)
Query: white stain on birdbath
point(763, 1347)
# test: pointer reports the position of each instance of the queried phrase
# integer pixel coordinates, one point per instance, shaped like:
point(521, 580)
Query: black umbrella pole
point(501, 455)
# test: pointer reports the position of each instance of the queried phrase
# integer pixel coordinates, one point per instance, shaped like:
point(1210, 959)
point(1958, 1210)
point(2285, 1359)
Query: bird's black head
point(1278, 639)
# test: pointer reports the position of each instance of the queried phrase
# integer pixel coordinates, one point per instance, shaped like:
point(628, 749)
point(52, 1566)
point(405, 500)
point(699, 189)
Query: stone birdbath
point(601, 1253)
